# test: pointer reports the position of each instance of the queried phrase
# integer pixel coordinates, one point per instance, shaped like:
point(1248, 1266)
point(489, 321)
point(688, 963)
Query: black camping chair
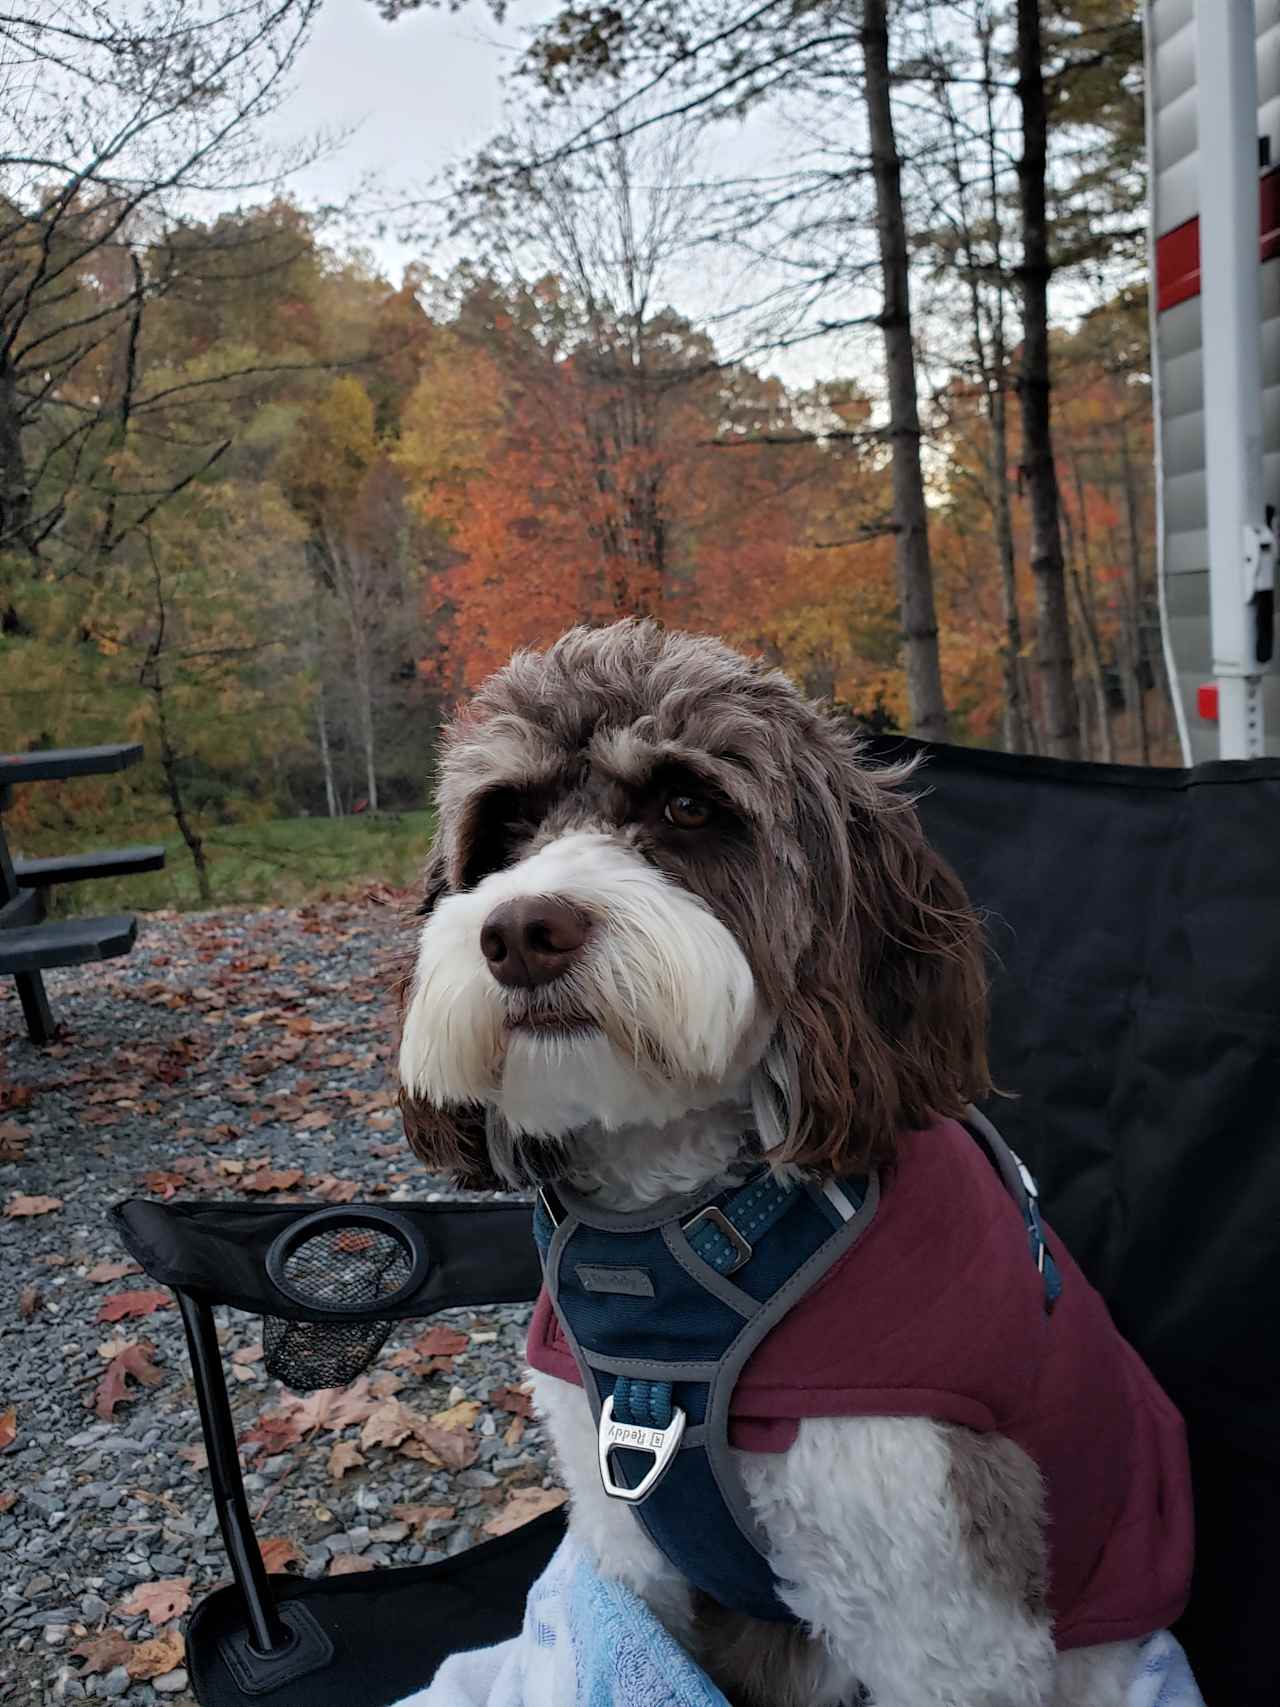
point(330, 1283)
point(1135, 916)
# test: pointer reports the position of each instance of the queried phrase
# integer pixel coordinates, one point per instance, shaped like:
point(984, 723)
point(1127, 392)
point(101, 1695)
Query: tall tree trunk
point(926, 706)
point(1053, 624)
point(326, 756)
point(1087, 608)
point(366, 734)
point(151, 677)
point(1019, 736)
point(1018, 722)
point(1135, 596)
point(177, 801)
point(15, 497)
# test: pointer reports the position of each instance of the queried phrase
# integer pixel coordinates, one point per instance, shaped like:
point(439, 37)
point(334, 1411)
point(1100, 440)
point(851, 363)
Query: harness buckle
point(716, 1218)
point(663, 1443)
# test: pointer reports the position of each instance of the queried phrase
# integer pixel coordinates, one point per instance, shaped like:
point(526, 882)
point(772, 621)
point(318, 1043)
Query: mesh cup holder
point(343, 1266)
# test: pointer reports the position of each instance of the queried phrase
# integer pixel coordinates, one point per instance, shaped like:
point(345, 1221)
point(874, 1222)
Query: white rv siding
point(1179, 390)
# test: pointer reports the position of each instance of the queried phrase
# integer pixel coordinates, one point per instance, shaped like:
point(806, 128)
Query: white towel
point(589, 1642)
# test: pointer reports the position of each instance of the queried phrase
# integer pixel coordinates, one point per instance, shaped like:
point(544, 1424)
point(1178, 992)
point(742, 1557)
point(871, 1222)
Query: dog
point(673, 917)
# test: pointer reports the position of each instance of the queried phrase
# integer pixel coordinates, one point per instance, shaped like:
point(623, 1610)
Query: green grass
point(279, 862)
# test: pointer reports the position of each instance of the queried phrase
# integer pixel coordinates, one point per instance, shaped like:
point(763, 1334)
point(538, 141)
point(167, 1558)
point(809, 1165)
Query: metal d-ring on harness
point(662, 1309)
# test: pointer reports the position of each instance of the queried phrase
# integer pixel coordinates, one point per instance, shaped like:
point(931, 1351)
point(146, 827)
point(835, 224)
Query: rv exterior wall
point(1232, 352)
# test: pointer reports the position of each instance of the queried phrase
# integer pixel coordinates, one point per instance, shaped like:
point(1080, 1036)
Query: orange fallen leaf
point(154, 1658)
point(19, 1205)
point(103, 1652)
point(276, 1431)
point(8, 1427)
point(459, 1416)
point(8, 1499)
point(347, 1565)
point(121, 1305)
point(161, 1601)
point(511, 1399)
point(524, 1505)
point(278, 1551)
point(441, 1342)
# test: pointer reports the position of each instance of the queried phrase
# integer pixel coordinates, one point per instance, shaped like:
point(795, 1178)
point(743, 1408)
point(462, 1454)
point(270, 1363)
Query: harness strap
point(724, 1238)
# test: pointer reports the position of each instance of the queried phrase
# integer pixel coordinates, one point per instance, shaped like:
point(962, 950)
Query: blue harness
point(662, 1309)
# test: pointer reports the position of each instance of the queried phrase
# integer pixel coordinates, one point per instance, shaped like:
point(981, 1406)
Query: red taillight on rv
point(1207, 701)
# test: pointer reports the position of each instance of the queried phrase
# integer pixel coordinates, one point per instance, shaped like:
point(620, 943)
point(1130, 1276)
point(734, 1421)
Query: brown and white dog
point(669, 913)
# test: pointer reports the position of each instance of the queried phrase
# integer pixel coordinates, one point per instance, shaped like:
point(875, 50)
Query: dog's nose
point(533, 941)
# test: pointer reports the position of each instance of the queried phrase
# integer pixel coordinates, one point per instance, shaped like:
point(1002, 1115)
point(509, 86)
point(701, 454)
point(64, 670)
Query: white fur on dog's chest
point(866, 1539)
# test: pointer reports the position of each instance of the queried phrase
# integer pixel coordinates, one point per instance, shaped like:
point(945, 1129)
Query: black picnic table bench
point(29, 942)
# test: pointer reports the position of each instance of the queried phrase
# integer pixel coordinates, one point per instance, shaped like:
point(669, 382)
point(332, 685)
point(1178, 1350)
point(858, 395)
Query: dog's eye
point(687, 811)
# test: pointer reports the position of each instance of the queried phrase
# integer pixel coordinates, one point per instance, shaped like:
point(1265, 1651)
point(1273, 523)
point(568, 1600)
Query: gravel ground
point(228, 1047)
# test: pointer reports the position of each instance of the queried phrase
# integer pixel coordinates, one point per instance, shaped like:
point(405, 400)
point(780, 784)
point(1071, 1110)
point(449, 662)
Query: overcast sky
point(425, 92)
point(421, 92)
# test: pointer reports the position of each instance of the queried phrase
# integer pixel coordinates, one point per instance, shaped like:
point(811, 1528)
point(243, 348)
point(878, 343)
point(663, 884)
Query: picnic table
point(29, 942)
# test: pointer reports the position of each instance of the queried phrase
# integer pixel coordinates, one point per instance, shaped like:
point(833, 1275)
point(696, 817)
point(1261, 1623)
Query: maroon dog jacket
point(938, 1312)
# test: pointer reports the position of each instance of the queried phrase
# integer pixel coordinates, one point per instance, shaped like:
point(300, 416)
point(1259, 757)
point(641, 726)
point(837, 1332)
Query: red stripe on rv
point(1178, 251)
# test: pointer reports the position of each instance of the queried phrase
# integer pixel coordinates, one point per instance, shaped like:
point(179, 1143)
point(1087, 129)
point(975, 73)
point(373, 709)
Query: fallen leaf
point(113, 1390)
point(29, 1301)
point(276, 1431)
point(441, 1342)
point(459, 1416)
point(524, 1505)
point(389, 1424)
point(161, 1601)
point(419, 1516)
point(19, 1205)
point(515, 1434)
point(8, 1427)
point(103, 1652)
point(346, 1455)
point(154, 1658)
point(511, 1399)
point(444, 1448)
point(102, 1272)
point(121, 1305)
point(247, 1354)
point(196, 1456)
point(347, 1564)
point(333, 1190)
point(271, 1179)
point(8, 1500)
point(279, 1551)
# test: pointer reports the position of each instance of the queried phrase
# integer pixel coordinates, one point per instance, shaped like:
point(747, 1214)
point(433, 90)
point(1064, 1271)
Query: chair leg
point(267, 1634)
point(35, 1007)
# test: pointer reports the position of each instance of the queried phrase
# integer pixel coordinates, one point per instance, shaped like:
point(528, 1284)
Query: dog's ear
point(451, 1141)
point(887, 1026)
